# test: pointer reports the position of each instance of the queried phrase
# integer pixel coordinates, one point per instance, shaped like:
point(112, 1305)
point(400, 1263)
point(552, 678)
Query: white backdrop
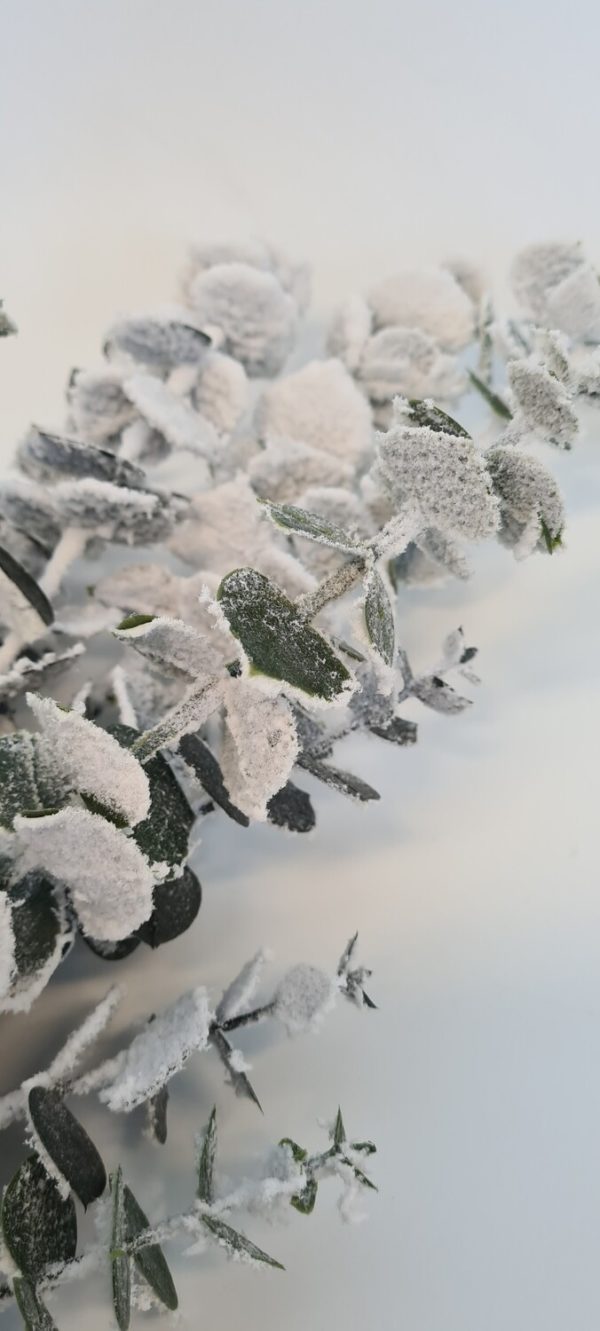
point(358, 136)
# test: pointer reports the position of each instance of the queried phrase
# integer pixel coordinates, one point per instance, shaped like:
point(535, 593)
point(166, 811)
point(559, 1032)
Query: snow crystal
point(426, 298)
point(91, 760)
point(303, 997)
point(319, 405)
point(260, 747)
point(254, 315)
point(110, 881)
point(407, 361)
point(175, 419)
point(239, 994)
point(543, 402)
point(349, 330)
point(160, 1051)
point(444, 475)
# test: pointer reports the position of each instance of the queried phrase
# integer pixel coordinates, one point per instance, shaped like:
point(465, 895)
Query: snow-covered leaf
point(299, 522)
point(39, 1226)
point(286, 467)
point(236, 1076)
point(37, 918)
point(424, 412)
point(115, 512)
point(176, 903)
point(175, 419)
point(379, 616)
point(345, 782)
point(163, 834)
point(160, 1051)
point(260, 747)
point(52, 457)
point(319, 405)
point(303, 997)
point(239, 994)
point(253, 315)
point(66, 1150)
point(158, 343)
point(120, 1261)
point(396, 730)
point(30, 509)
point(99, 408)
point(200, 758)
point(426, 298)
point(221, 393)
point(528, 496)
point(149, 1260)
point(170, 643)
point(29, 590)
point(444, 475)
point(198, 703)
point(23, 787)
point(276, 639)
point(543, 402)
point(407, 361)
point(31, 1307)
point(206, 1160)
point(441, 697)
point(236, 1244)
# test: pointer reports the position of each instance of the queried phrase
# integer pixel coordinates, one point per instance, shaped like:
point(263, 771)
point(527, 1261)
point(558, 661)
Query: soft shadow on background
point(361, 137)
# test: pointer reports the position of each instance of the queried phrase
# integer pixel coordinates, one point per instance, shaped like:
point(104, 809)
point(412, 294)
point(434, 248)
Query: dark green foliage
point(176, 905)
point(345, 782)
point(150, 1260)
point(164, 834)
point(38, 1225)
point(120, 1261)
point(67, 1143)
point(34, 1313)
point(237, 1243)
point(36, 920)
point(206, 1162)
point(425, 413)
point(196, 753)
point(493, 400)
point(379, 617)
point(299, 522)
point(27, 585)
point(292, 808)
point(157, 1115)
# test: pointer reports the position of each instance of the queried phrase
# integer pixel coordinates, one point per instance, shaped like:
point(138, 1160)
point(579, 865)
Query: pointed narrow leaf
point(339, 1131)
point(34, 1313)
point(241, 1085)
point(67, 1143)
point(196, 753)
point(157, 1115)
point(292, 808)
point(397, 731)
point(120, 1261)
point(379, 616)
point(493, 400)
point(237, 1244)
point(345, 782)
point(27, 585)
point(276, 639)
point(206, 1162)
point(38, 1225)
point(150, 1261)
point(299, 522)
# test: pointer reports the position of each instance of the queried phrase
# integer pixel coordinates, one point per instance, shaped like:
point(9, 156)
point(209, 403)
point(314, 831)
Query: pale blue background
point(360, 136)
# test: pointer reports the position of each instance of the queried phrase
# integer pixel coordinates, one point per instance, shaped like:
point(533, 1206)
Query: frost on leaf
point(546, 277)
point(238, 995)
point(164, 411)
point(99, 407)
point(312, 525)
point(531, 508)
point(28, 507)
point(260, 747)
point(319, 405)
point(159, 343)
point(426, 298)
point(200, 700)
point(379, 616)
point(51, 457)
point(170, 643)
point(39, 1227)
point(443, 475)
point(134, 517)
point(23, 604)
point(276, 639)
point(160, 1051)
point(286, 467)
point(409, 362)
point(39, 934)
point(108, 877)
point(64, 1146)
point(221, 393)
point(23, 786)
point(250, 311)
point(91, 760)
point(349, 330)
point(543, 402)
point(303, 997)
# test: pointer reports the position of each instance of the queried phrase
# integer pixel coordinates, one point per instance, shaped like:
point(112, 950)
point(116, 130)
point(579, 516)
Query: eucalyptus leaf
point(67, 1143)
point(424, 412)
point(164, 834)
point(176, 905)
point(299, 522)
point(397, 731)
point(49, 457)
point(157, 1115)
point(33, 1311)
point(36, 920)
point(240, 1082)
point(441, 697)
point(200, 758)
point(112, 951)
point(304, 1201)
point(38, 1225)
point(379, 616)
point(120, 1261)
point(237, 1244)
point(27, 585)
point(150, 1260)
point(292, 808)
point(276, 639)
point(206, 1162)
point(345, 782)
point(22, 789)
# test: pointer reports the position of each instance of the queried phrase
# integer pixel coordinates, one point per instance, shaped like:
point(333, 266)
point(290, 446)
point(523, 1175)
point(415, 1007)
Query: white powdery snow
point(160, 1051)
point(174, 418)
point(319, 405)
point(174, 644)
point(426, 298)
point(253, 315)
point(260, 747)
point(303, 997)
point(239, 994)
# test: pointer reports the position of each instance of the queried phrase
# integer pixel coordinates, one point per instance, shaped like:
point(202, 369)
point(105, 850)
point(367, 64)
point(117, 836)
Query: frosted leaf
point(338, 508)
point(141, 443)
point(160, 1051)
point(294, 277)
point(286, 467)
point(197, 704)
point(254, 316)
point(51, 457)
point(531, 508)
point(7, 945)
point(29, 507)
point(22, 783)
point(303, 997)
point(175, 419)
point(23, 606)
point(538, 269)
point(574, 304)
point(160, 343)
point(321, 406)
point(171, 643)
point(544, 403)
point(26, 673)
point(444, 475)
point(554, 349)
point(84, 621)
point(260, 746)
point(221, 393)
point(226, 528)
point(379, 616)
point(426, 298)
point(79, 1041)
point(468, 275)
point(110, 882)
point(239, 994)
point(22, 546)
point(91, 760)
point(407, 361)
point(444, 552)
point(125, 708)
point(42, 926)
point(441, 697)
point(311, 523)
point(99, 407)
point(115, 512)
point(349, 330)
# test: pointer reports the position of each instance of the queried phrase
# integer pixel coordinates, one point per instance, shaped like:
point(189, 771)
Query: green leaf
point(120, 1261)
point(339, 1131)
point(34, 1313)
point(164, 834)
point(134, 621)
point(36, 921)
point(19, 786)
point(150, 1261)
point(299, 522)
point(240, 1082)
point(552, 543)
point(206, 1162)
point(157, 1115)
point(39, 1226)
point(426, 414)
point(67, 1143)
point(345, 782)
point(366, 1148)
point(277, 641)
point(237, 1244)
point(496, 403)
point(27, 585)
point(112, 951)
point(292, 808)
point(379, 616)
point(197, 755)
point(360, 1175)
point(298, 1152)
point(304, 1201)
point(176, 905)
